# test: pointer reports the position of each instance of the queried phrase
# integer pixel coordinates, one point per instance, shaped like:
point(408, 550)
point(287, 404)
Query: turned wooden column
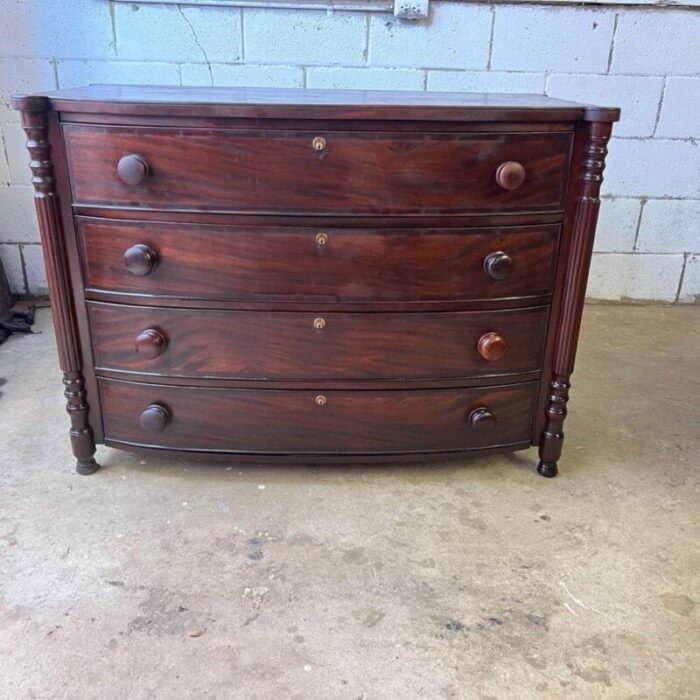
point(35, 124)
point(587, 182)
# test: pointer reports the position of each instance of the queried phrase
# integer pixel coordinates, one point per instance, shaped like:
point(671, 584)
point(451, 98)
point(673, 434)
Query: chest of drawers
point(283, 275)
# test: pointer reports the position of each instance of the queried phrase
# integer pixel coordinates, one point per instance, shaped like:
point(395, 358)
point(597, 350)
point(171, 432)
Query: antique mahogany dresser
point(315, 276)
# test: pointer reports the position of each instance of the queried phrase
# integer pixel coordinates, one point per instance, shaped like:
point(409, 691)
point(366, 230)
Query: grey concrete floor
point(156, 579)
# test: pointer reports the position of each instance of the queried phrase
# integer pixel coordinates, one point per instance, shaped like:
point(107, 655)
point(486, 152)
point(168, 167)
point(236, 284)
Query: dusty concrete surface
point(482, 580)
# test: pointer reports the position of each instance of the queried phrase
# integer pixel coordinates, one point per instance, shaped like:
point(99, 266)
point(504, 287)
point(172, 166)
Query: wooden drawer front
point(320, 422)
point(281, 172)
point(271, 263)
point(306, 346)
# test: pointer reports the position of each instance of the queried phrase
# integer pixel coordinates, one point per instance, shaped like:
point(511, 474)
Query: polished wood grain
point(315, 276)
point(140, 260)
point(268, 421)
point(354, 173)
point(36, 126)
point(511, 175)
point(290, 103)
point(270, 345)
point(492, 346)
point(593, 139)
point(132, 169)
point(287, 263)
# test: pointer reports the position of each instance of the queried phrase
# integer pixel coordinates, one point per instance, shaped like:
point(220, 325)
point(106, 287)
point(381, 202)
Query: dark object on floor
point(16, 322)
point(6, 300)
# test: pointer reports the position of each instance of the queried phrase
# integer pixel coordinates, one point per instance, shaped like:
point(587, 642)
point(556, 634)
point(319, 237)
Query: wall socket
point(411, 9)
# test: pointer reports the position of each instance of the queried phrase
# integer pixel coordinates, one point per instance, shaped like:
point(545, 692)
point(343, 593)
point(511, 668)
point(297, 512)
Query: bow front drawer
point(281, 345)
point(265, 421)
point(258, 263)
point(291, 172)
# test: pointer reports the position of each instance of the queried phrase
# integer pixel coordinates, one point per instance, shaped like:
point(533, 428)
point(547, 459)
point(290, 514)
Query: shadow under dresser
point(315, 276)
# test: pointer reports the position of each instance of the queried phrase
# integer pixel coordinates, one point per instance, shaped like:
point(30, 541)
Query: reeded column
point(588, 182)
point(35, 124)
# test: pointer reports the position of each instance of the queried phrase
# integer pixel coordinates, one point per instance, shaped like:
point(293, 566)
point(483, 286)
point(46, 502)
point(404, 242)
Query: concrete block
point(567, 39)
point(670, 226)
point(12, 264)
point(617, 225)
point(456, 35)
point(19, 75)
point(77, 73)
point(180, 33)
point(486, 81)
point(36, 271)
point(690, 287)
point(617, 276)
point(242, 75)
point(304, 37)
point(4, 165)
point(18, 215)
point(365, 78)
point(680, 112)
point(637, 96)
point(15, 139)
point(657, 43)
point(68, 29)
point(653, 168)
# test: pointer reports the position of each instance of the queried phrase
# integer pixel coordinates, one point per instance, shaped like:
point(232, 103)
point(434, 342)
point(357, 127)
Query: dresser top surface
point(301, 103)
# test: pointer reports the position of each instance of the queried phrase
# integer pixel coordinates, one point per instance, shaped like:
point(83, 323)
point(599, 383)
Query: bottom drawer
point(265, 421)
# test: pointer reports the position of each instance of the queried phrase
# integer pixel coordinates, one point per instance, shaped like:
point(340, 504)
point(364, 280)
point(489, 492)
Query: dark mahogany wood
point(270, 345)
point(511, 175)
point(277, 264)
point(150, 343)
point(287, 103)
point(354, 173)
point(140, 260)
point(132, 169)
point(493, 346)
point(498, 265)
point(155, 418)
point(482, 418)
point(587, 180)
point(268, 421)
point(35, 124)
point(315, 276)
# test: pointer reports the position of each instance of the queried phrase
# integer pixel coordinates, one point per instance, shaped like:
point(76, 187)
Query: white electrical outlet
point(411, 9)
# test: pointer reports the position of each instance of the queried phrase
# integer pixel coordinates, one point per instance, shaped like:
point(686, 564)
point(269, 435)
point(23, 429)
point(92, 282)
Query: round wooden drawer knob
point(492, 347)
point(155, 418)
point(498, 265)
point(140, 260)
point(482, 419)
point(510, 175)
point(150, 343)
point(132, 169)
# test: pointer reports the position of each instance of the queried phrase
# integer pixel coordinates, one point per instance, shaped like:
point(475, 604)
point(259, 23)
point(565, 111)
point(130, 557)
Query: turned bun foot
point(548, 469)
point(86, 466)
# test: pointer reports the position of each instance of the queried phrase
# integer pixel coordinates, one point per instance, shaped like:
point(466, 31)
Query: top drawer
point(334, 172)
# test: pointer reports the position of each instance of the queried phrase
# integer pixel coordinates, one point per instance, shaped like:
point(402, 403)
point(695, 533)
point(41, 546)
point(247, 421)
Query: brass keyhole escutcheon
point(319, 323)
point(319, 143)
point(321, 400)
point(322, 238)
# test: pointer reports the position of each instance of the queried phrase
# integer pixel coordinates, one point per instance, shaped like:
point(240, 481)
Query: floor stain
point(164, 614)
point(464, 517)
point(594, 675)
point(680, 603)
point(355, 556)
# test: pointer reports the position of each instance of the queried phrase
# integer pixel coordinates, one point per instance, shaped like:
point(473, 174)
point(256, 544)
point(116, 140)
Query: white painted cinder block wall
point(645, 60)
